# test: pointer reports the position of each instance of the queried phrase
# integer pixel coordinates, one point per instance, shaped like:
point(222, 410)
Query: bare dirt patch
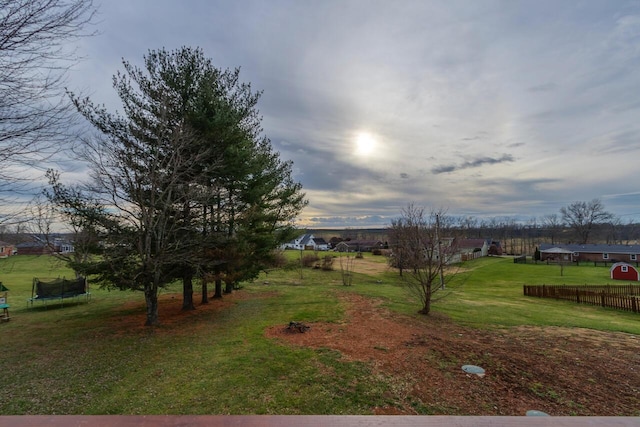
point(560, 371)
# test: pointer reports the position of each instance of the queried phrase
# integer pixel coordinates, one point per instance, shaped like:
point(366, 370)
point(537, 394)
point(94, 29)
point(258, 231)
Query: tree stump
point(298, 326)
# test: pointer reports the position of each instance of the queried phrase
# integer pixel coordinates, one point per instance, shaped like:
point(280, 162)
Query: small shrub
point(377, 251)
point(327, 263)
point(278, 260)
point(310, 260)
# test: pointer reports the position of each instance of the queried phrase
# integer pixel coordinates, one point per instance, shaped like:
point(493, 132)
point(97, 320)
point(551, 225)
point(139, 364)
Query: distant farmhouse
point(468, 249)
point(39, 245)
point(308, 242)
point(590, 252)
point(359, 245)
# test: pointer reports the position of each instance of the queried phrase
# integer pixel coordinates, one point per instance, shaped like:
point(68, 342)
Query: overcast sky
point(484, 108)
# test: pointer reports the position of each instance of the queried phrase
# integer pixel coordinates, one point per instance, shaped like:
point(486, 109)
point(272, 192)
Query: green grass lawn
point(17, 272)
point(81, 359)
point(491, 294)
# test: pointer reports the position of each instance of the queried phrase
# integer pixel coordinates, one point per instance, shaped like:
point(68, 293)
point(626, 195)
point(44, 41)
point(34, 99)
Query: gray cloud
point(516, 144)
point(416, 76)
point(619, 142)
point(472, 164)
point(444, 169)
point(350, 221)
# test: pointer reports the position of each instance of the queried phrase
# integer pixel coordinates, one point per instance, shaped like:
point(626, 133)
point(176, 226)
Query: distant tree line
point(578, 222)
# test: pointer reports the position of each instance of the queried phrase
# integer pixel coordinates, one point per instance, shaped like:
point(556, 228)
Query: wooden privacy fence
point(621, 297)
point(470, 255)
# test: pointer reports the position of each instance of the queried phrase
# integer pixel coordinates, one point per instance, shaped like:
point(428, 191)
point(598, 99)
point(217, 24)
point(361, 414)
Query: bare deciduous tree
point(582, 217)
point(419, 238)
point(34, 58)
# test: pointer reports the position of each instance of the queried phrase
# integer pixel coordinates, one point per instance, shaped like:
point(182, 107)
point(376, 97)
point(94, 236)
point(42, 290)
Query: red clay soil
point(130, 318)
point(559, 371)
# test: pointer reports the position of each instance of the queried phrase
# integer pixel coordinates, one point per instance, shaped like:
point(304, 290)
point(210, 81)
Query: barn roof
point(26, 245)
point(319, 241)
point(305, 239)
point(363, 242)
point(557, 250)
point(619, 264)
point(471, 243)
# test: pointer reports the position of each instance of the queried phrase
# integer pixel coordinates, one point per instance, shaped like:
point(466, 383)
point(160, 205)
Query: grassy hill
point(97, 358)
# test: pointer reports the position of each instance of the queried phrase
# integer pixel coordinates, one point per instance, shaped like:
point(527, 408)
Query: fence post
point(602, 298)
point(634, 304)
point(578, 296)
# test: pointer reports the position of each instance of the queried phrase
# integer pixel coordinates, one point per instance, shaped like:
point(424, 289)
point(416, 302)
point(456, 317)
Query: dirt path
point(556, 370)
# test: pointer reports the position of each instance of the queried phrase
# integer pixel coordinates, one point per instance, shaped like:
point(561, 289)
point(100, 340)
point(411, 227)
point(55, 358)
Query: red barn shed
point(624, 271)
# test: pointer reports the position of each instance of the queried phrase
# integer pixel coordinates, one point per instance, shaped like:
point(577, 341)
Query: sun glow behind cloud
point(365, 144)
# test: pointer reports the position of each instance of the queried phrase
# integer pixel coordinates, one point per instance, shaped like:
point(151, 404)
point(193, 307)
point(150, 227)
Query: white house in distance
point(467, 249)
point(307, 241)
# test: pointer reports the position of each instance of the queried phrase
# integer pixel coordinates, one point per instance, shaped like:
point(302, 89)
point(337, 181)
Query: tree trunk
point(218, 291)
point(151, 298)
point(228, 286)
point(427, 307)
point(187, 291)
point(205, 290)
point(427, 301)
